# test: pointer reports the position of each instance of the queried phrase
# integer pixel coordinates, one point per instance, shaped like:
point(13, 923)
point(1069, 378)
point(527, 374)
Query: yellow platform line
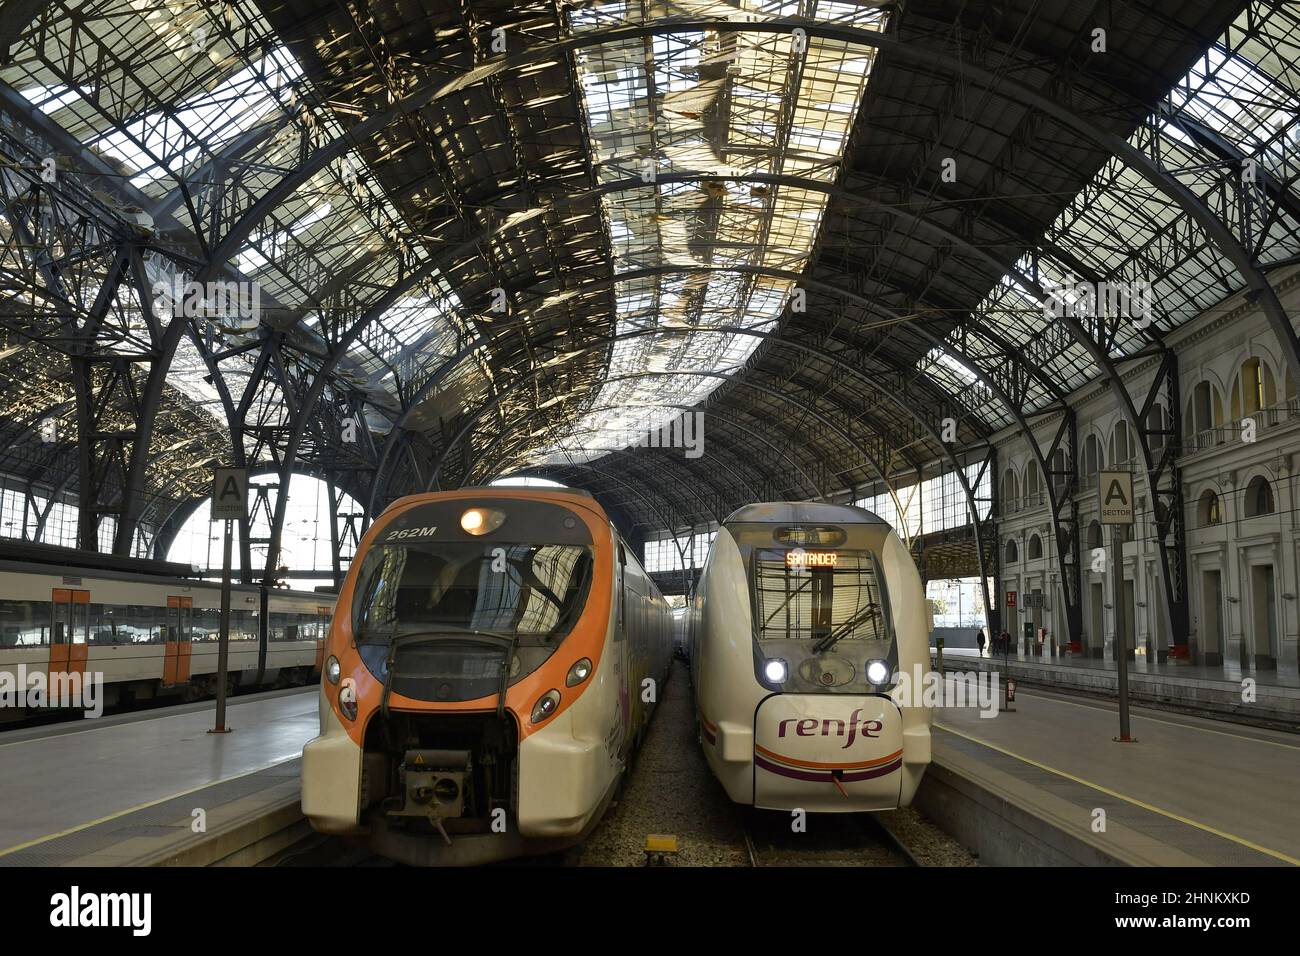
point(1242, 841)
point(138, 807)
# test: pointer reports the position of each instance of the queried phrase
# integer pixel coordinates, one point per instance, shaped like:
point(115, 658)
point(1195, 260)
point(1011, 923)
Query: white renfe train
point(804, 618)
point(152, 635)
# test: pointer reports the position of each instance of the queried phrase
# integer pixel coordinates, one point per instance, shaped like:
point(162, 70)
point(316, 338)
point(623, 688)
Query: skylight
point(708, 104)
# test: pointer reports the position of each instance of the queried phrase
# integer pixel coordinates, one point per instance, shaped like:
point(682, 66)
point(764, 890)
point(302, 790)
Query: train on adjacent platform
point(493, 663)
point(806, 626)
point(145, 630)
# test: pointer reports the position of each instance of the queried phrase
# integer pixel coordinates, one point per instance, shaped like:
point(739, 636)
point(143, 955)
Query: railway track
point(319, 850)
point(826, 839)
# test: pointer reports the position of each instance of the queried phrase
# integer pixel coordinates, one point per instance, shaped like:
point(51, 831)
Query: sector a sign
point(1115, 493)
point(229, 494)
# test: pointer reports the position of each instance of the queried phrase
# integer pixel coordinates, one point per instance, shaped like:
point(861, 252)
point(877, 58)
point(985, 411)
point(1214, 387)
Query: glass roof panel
point(707, 104)
point(1122, 228)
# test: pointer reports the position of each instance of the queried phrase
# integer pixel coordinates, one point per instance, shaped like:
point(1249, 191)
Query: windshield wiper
point(505, 672)
point(510, 640)
point(397, 640)
point(830, 640)
point(534, 582)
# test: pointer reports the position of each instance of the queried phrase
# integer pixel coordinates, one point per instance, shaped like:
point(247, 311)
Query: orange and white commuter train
point(493, 661)
point(147, 634)
point(805, 616)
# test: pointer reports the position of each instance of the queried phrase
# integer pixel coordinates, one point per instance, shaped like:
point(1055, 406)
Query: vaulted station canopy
point(455, 241)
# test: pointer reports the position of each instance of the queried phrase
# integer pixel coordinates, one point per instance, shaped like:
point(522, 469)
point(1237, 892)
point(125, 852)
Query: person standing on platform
point(979, 640)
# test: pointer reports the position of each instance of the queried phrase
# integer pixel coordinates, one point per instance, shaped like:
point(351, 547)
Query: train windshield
point(533, 593)
point(824, 614)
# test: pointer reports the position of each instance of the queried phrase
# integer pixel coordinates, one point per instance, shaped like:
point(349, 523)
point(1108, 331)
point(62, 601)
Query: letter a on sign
point(229, 494)
point(1116, 490)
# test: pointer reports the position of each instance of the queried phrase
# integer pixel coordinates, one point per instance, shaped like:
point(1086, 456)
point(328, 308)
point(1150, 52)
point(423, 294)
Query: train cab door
point(620, 650)
point(70, 633)
point(179, 646)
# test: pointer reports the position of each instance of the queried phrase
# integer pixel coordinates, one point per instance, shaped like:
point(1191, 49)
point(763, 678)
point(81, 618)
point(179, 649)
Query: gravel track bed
point(671, 790)
point(828, 839)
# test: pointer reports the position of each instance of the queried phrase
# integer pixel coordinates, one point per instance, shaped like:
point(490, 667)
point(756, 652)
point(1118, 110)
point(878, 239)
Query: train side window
point(247, 626)
point(103, 624)
point(205, 624)
point(22, 624)
point(148, 623)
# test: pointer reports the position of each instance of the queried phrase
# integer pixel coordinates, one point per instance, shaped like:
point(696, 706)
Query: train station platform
point(156, 788)
point(1048, 785)
point(1273, 697)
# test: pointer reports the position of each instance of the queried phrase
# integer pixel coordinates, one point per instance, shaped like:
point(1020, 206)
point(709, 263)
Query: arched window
point(1033, 483)
point(306, 545)
point(1204, 412)
point(1157, 422)
point(1035, 547)
point(1060, 470)
point(1094, 534)
point(1253, 389)
point(1121, 444)
point(1012, 552)
point(1207, 509)
point(1259, 497)
point(1091, 457)
point(1010, 488)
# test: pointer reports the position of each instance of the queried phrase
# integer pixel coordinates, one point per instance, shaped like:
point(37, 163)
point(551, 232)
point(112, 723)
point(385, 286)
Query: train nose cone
point(827, 753)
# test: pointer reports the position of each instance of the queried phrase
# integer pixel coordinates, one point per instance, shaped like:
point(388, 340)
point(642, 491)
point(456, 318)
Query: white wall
point(1212, 347)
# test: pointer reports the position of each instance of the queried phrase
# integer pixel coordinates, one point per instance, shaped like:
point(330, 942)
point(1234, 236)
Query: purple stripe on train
point(824, 776)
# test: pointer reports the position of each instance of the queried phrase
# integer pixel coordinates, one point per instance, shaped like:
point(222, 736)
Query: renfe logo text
point(812, 726)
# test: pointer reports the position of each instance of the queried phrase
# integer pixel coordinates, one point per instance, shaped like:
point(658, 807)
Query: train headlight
point(333, 670)
point(480, 521)
point(878, 672)
point(775, 670)
point(546, 705)
point(578, 673)
point(348, 699)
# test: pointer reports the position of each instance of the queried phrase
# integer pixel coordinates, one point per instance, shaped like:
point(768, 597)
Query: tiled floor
point(65, 780)
point(1226, 793)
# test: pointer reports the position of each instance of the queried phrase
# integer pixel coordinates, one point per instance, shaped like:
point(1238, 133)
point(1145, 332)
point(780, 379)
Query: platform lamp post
point(1115, 492)
point(1008, 682)
point(229, 502)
